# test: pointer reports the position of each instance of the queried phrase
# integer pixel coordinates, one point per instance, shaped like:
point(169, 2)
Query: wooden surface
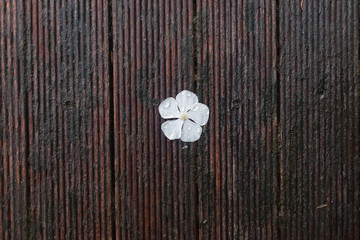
point(82, 152)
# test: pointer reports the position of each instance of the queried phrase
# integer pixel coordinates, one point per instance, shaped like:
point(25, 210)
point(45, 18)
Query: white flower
point(189, 116)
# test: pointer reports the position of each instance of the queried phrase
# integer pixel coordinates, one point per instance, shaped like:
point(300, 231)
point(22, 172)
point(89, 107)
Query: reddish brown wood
point(82, 152)
point(56, 171)
point(319, 118)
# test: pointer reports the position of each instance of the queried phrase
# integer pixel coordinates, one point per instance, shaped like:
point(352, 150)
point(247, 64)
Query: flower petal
point(199, 113)
point(191, 131)
point(172, 128)
point(185, 100)
point(168, 108)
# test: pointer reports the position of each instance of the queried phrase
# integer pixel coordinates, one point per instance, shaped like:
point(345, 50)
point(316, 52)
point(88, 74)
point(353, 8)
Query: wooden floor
point(82, 155)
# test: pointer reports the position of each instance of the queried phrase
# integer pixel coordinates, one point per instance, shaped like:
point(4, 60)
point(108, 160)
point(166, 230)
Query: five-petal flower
point(188, 116)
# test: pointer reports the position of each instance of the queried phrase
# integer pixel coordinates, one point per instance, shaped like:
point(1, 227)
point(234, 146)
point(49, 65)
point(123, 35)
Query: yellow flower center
point(183, 116)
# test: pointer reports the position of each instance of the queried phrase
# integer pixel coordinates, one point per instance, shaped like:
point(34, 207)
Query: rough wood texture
point(319, 119)
point(82, 152)
point(55, 120)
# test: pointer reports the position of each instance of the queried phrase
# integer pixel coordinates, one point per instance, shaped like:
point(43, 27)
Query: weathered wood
point(56, 169)
point(13, 134)
point(236, 54)
point(82, 152)
point(319, 67)
point(154, 190)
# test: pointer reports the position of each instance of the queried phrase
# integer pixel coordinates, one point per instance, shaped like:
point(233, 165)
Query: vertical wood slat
point(237, 61)
point(13, 140)
point(154, 195)
point(319, 50)
point(54, 167)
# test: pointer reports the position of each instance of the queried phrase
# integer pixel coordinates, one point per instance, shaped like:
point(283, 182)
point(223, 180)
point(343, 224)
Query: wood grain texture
point(13, 140)
point(55, 143)
point(319, 119)
point(154, 178)
point(236, 73)
point(82, 152)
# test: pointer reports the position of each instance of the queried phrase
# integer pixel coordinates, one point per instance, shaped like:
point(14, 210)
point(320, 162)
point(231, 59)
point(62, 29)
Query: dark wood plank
point(55, 90)
point(238, 65)
point(318, 63)
point(13, 133)
point(154, 191)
